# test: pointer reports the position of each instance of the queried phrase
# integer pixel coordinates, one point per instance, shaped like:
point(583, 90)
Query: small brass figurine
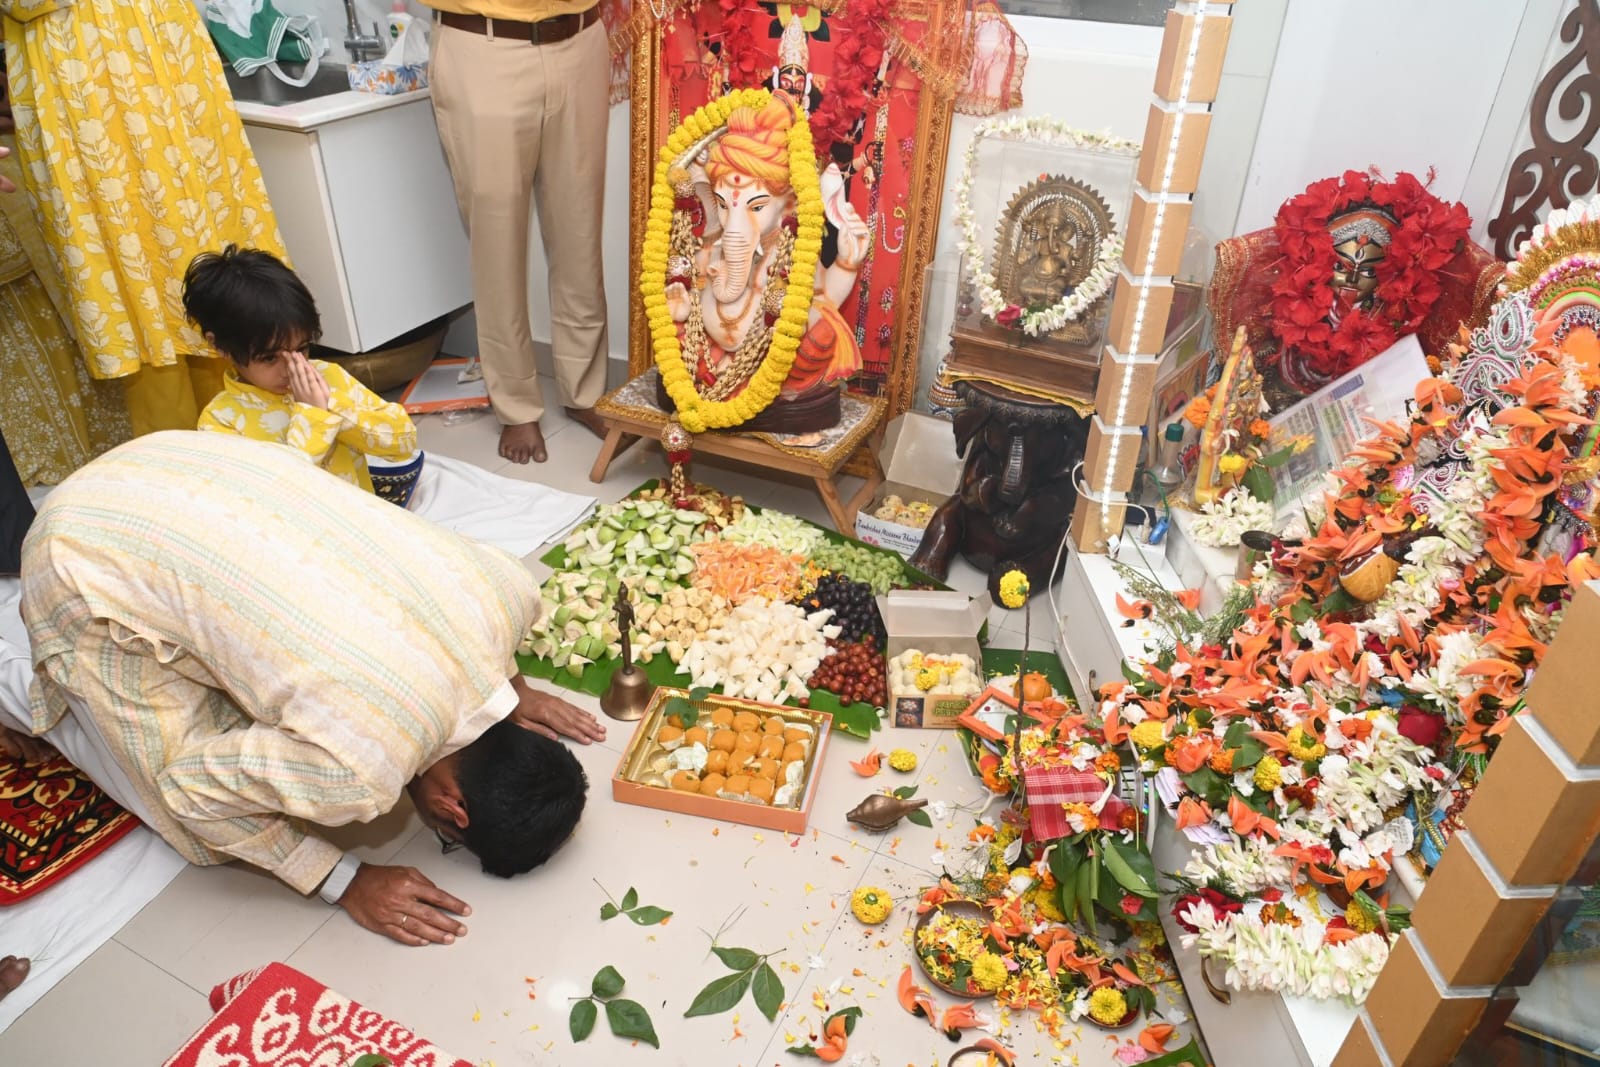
point(629, 693)
point(881, 811)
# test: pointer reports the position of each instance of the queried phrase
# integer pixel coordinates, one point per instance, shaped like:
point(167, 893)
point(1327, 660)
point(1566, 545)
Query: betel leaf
point(1209, 785)
point(1236, 735)
point(686, 712)
point(629, 1019)
point(739, 959)
point(1248, 755)
point(608, 910)
point(1258, 482)
point(768, 990)
point(857, 720)
point(607, 983)
point(630, 899)
point(649, 915)
point(720, 995)
point(905, 792)
point(920, 818)
point(581, 1022)
point(699, 693)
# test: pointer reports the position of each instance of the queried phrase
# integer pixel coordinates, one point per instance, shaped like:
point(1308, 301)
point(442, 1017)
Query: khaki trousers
point(525, 125)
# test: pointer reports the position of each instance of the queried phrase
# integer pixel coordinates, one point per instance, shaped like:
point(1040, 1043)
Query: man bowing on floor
point(238, 647)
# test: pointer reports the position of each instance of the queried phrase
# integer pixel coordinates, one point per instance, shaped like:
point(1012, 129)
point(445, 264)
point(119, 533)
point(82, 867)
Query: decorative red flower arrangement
point(1428, 236)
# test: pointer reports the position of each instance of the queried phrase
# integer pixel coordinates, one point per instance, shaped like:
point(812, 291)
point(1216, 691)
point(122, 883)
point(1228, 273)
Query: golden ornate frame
point(922, 219)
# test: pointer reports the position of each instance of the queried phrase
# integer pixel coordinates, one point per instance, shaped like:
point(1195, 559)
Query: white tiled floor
point(145, 990)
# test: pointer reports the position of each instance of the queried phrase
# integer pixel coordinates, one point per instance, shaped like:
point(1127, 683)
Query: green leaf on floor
point(649, 915)
point(920, 818)
point(630, 899)
point(607, 983)
point(905, 792)
point(630, 1020)
point(720, 996)
point(768, 990)
point(581, 1022)
point(738, 959)
point(609, 910)
point(372, 1059)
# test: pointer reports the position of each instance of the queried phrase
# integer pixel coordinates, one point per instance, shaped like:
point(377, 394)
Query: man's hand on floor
point(26, 747)
point(403, 905)
point(552, 716)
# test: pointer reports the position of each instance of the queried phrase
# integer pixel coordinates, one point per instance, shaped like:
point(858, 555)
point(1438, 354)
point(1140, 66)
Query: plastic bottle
point(399, 19)
point(1169, 471)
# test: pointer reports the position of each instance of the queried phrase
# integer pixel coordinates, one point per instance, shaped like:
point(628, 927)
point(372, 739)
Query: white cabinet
point(367, 211)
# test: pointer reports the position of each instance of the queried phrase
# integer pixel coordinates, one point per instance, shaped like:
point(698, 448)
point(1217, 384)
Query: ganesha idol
point(1349, 267)
point(732, 270)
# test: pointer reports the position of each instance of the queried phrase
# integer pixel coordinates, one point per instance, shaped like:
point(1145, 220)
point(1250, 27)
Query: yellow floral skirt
point(136, 161)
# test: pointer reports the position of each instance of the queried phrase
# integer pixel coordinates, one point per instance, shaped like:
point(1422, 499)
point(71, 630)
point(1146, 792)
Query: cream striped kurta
point(262, 644)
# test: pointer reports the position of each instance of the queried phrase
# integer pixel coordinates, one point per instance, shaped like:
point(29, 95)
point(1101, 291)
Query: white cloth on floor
point(514, 515)
point(62, 926)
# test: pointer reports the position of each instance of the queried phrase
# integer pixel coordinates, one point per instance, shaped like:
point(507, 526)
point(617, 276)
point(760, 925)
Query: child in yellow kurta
point(257, 312)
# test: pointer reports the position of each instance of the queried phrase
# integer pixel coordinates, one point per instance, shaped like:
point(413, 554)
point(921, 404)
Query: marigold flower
point(1260, 428)
point(1198, 411)
point(989, 972)
point(1358, 918)
point(1232, 463)
point(1013, 589)
point(1222, 762)
point(871, 905)
point(1304, 746)
point(1269, 774)
point(1149, 734)
point(903, 759)
point(1108, 1006)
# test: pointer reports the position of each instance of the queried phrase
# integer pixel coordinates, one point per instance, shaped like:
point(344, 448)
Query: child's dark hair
point(523, 793)
point(250, 302)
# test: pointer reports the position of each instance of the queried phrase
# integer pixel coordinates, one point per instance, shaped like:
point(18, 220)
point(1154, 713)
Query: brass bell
point(628, 695)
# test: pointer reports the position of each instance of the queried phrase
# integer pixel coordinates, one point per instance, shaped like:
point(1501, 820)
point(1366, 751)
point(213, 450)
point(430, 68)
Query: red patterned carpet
point(278, 1017)
point(52, 821)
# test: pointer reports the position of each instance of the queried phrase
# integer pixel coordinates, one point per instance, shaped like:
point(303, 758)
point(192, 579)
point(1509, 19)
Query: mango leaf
point(609, 910)
point(607, 983)
point(1117, 863)
point(768, 991)
point(1278, 458)
point(581, 1022)
point(630, 899)
point(920, 817)
point(630, 1020)
point(738, 959)
point(906, 792)
point(720, 995)
point(649, 915)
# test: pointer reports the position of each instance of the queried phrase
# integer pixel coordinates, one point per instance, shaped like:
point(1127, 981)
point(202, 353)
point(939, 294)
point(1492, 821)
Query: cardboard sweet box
point(921, 471)
point(668, 767)
point(938, 624)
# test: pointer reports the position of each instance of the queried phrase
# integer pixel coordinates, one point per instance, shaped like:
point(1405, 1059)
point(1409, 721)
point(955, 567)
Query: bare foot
point(522, 442)
point(13, 969)
point(587, 418)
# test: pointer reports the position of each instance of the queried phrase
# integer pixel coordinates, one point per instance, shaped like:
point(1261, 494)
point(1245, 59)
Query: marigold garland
point(696, 414)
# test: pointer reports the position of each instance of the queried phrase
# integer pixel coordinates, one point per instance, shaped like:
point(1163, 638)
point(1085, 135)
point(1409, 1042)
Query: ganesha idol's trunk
point(738, 259)
point(1015, 478)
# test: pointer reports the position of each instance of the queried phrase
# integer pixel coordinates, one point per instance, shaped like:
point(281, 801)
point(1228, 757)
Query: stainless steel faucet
point(362, 46)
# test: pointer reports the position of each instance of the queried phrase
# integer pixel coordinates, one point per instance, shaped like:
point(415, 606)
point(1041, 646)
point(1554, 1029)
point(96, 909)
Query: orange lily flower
point(1192, 812)
point(1154, 1038)
point(1115, 731)
point(913, 998)
point(995, 1049)
point(1246, 820)
point(958, 1017)
point(868, 765)
point(1126, 975)
point(1189, 754)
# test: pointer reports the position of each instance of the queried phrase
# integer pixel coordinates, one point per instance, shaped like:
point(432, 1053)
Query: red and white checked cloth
point(1048, 788)
point(277, 1017)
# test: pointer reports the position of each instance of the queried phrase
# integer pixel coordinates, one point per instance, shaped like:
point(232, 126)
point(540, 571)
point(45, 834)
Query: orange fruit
point(722, 717)
point(748, 741)
point(686, 781)
point(792, 751)
point(724, 740)
point(717, 763)
point(738, 785)
point(791, 734)
point(711, 785)
point(766, 768)
point(762, 789)
point(746, 720)
point(668, 734)
point(771, 747)
point(773, 725)
point(694, 735)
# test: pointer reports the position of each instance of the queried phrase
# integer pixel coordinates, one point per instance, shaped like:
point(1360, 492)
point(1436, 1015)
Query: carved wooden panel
point(1558, 168)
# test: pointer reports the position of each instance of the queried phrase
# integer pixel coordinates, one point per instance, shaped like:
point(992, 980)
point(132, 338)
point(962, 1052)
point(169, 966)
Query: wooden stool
point(631, 412)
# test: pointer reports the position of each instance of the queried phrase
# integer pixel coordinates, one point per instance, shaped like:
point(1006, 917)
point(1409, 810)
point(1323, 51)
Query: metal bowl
point(959, 909)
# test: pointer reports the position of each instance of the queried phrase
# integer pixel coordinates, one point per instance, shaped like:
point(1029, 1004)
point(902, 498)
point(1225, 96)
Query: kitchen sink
point(263, 87)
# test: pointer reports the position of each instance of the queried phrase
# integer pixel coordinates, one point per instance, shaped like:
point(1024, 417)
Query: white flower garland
point(1039, 129)
point(1282, 958)
point(1221, 522)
